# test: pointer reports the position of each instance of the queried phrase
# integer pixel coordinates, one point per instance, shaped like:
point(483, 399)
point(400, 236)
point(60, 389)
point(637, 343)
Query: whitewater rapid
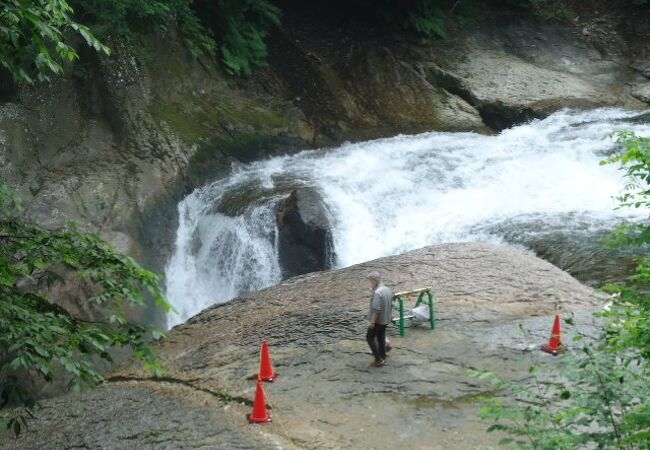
point(392, 195)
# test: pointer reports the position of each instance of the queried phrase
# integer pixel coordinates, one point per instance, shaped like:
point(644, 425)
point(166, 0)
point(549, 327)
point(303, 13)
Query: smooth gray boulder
point(514, 71)
point(304, 233)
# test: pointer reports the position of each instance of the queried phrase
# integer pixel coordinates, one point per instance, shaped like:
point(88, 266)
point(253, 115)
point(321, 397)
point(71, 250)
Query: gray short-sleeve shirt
point(382, 302)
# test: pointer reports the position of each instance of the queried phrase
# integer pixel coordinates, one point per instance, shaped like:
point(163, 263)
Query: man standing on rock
point(379, 316)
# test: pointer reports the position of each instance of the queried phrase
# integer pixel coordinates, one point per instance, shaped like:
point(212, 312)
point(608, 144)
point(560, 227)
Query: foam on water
point(391, 195)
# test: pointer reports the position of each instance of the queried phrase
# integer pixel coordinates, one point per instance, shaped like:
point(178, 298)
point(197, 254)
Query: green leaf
point(158, 335)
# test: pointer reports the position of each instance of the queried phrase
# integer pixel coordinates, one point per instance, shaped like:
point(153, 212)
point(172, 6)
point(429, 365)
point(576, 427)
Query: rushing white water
point(392, 195)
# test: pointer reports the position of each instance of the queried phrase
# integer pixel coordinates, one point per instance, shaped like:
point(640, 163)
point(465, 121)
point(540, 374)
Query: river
point(537, 186)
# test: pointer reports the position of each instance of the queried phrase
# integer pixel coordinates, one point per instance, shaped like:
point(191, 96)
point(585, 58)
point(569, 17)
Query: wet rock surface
point(326, 395)
point(304, 233)
point(113, 417)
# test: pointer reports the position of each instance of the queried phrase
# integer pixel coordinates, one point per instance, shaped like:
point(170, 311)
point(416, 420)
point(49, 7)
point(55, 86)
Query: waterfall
point(391, 195)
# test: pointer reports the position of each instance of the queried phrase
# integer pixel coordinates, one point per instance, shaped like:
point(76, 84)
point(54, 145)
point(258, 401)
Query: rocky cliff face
point(118, 141)
point(326, 395)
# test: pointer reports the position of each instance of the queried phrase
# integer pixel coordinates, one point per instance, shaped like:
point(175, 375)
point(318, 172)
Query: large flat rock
point(514, 70)
point(326, 395)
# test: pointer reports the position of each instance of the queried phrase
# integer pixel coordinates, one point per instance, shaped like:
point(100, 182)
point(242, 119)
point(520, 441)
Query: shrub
point(241, 28)
point(36, 334)
point(33, 38)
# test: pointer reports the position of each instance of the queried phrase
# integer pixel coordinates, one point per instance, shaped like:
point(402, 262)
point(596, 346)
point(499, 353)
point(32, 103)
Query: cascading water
point(529, 183)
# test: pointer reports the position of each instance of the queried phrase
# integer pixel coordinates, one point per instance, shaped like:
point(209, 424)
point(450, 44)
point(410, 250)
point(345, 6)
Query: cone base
point(269, 379)
point(252, 419)
point(553, 351)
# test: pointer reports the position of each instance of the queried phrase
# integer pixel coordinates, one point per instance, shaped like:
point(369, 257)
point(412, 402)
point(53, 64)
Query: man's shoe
point(378, 363)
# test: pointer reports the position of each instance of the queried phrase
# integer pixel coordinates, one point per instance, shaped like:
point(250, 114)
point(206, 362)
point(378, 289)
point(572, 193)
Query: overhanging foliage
point(38, 336)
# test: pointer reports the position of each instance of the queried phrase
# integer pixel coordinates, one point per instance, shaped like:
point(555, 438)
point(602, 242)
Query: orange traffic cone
point(266, 372)
point(554, 345)
point(259, 414)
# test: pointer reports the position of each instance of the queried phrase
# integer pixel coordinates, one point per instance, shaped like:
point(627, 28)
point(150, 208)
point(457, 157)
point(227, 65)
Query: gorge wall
point(118, 141)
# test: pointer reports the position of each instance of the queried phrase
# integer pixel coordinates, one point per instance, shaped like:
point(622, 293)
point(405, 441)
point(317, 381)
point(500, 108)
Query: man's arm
point(373, 319)
point(376, 308)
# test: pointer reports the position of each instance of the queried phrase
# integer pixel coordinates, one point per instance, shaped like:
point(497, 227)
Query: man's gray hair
point(374, 276)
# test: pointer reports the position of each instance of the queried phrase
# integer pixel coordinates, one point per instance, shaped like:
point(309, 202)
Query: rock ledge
point(326, 395)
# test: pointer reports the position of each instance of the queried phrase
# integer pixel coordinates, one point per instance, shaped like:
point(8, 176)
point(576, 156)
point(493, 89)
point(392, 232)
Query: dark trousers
point(376, 338)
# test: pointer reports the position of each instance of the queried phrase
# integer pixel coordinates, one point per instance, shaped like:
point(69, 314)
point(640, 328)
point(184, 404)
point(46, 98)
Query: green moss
point(163, 67)
point(219, 111)
point(426, 401)
point(190, 126)
point(196, 120)
point(237, 110)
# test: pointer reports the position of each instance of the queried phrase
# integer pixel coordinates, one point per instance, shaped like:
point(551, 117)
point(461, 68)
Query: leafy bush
point(241, 28)
point(37, 335)
point(33, 38)
point(237, 29)
point(125, 18)
point(550, 9)
point(427, 18)
point(593, 398)
point(632, 330)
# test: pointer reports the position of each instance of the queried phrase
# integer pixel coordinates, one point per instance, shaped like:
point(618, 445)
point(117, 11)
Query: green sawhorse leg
point(402, 320)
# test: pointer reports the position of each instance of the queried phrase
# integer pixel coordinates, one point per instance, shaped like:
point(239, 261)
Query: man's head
point(375, 279)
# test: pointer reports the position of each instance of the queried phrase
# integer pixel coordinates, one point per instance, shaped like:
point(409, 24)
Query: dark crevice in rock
point(448, 81)
point(499, 116)
point(221, 395)
point(8, 88)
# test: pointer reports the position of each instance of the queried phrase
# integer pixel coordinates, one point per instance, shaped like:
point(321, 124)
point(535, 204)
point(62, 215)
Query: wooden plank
point(414, 291)
point(397, 319)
